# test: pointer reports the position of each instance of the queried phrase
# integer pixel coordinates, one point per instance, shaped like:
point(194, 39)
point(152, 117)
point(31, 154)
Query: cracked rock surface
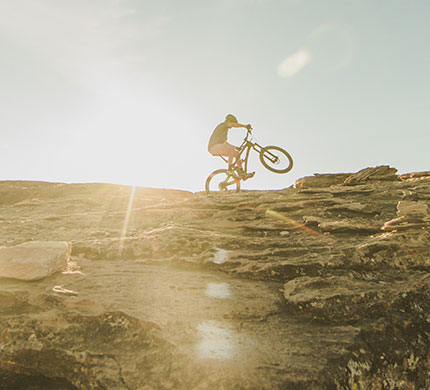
point(322, 286)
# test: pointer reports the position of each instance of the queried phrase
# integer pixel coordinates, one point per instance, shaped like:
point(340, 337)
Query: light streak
point(126, 221)
point(290, 221)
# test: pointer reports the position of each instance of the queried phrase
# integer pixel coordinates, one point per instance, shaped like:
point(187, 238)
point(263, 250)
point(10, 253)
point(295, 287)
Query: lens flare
point(218, 290)
point(294, 63)
point(216, 341)
point(332, 47)
point(292, 222)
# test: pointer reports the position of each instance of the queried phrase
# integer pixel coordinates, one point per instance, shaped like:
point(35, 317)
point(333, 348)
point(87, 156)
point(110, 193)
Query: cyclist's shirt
point(219, 135)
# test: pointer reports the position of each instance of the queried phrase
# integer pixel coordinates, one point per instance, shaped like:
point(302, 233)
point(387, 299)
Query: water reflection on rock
point(218, 290)
point(216, 341)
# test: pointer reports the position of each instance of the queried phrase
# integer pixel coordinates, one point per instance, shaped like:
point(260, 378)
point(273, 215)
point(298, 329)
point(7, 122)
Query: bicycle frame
point(273, 158)
point(246, 147)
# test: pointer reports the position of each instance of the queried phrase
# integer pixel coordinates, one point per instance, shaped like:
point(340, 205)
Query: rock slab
point(34, 260)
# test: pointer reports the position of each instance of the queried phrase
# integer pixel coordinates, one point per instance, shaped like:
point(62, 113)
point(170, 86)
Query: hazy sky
point(129, 91)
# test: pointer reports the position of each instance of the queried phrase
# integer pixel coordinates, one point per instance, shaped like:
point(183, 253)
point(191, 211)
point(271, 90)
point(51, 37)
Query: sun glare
point(294, 63)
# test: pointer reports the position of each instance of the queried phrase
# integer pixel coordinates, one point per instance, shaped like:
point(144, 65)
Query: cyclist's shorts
point(226, 150)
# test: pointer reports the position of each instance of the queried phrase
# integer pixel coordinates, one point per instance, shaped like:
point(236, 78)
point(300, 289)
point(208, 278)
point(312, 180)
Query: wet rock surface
point(323, 286)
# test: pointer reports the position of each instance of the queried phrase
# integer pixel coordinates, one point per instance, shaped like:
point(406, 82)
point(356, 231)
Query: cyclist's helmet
point(231, 118)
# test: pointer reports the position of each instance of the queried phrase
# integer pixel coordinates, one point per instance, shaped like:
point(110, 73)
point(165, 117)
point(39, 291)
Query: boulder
point(34, 260)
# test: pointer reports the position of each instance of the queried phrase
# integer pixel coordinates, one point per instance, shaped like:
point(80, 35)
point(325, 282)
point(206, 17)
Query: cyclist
point(218, 145)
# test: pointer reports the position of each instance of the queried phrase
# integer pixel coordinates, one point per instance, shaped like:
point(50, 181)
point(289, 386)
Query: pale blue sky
point(128, 91)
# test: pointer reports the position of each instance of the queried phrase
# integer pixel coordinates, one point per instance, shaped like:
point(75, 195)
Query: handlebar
point(248, 134)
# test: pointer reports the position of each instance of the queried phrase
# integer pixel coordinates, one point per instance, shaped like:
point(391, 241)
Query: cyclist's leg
point(238, 161)
point(225, 150)
point(234, 158)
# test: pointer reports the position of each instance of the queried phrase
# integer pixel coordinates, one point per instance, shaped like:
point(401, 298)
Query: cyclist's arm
point(237, 125)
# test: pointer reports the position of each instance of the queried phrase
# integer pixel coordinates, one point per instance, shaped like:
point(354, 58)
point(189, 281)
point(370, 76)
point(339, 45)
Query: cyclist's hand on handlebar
point(249, 127)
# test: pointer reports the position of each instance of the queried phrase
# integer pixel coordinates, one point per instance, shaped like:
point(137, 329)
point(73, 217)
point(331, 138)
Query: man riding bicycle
point(218, 145)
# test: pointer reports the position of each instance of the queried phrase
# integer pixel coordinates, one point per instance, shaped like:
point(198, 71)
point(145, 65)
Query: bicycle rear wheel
point(222, 181)
point(276, 159)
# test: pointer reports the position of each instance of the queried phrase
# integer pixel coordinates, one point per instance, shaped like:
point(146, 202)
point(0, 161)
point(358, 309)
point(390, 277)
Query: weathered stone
point(352, 293)
point(347, 227)
point(312, 221)
point(107, 351)
point(340, 299)
point(13, 303)
point(394, 224)
point(34, 260)
point(321, 180)
point(401, 248)
point(406, 223)
point(413, 176)
point(380, 248)
point(355, 207)
point(383, 172)
point(412, 209)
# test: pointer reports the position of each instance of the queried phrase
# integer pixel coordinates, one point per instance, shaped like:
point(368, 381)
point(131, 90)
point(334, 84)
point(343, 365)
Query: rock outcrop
point(34, 260)
point(322, 286)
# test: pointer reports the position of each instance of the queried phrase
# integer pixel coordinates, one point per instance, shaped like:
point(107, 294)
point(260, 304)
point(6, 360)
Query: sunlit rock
point(411, 215)
point(321, 286)
point(412, 209)
point(383, 172)
point(415, 176)
point(321, 180)
point(34, 260)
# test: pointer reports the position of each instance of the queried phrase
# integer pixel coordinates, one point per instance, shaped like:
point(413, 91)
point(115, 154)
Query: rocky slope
point(321, 286)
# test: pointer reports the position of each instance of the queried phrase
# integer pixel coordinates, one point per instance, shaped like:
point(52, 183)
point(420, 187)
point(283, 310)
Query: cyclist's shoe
point(247, 176)
point(250, 175)
point(243, 175)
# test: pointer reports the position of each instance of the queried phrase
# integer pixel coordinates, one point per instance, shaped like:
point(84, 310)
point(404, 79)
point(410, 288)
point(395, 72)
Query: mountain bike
point(273, 158)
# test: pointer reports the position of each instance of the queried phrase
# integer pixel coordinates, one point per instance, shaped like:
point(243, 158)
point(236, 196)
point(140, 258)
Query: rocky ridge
point(325, 285)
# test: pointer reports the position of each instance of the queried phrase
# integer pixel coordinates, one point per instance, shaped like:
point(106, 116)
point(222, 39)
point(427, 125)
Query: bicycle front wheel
point(276, 159)
point(222, 181)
